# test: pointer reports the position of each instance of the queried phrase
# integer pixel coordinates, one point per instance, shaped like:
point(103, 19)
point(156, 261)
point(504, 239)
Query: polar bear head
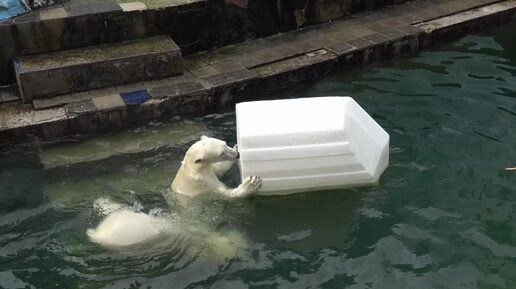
point(209, 150)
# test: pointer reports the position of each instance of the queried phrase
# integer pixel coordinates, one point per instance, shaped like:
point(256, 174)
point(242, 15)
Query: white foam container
point(308, 144)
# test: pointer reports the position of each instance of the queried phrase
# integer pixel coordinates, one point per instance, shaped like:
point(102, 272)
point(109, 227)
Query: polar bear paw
point(248, 187)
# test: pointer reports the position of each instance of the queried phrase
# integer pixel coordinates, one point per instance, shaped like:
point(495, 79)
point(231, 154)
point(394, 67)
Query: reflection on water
point(441, 217)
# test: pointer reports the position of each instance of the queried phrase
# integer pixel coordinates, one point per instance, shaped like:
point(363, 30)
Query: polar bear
point(126, 228)
point(205, 162)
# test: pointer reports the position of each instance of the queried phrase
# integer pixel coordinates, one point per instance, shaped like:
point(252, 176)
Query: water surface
point(441, 217)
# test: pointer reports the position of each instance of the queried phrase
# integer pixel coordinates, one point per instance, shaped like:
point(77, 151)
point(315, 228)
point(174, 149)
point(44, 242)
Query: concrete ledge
point(454, 26)
point(248, 71)
point(61, 72)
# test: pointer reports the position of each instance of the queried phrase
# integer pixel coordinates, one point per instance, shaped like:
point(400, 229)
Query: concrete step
point(82, 23)
point(50, 74)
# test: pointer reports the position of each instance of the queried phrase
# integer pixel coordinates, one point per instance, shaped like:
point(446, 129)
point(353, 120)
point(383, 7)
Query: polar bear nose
point(237, 155)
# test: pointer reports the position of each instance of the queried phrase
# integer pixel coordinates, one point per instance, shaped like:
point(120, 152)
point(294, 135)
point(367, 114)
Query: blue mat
point(11, 8)
point(135, 97)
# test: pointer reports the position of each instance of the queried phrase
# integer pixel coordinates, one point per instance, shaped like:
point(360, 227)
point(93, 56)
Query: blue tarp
point(11, 8)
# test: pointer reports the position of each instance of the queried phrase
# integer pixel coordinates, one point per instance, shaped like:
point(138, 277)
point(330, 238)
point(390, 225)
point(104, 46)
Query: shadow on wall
point(272, 16)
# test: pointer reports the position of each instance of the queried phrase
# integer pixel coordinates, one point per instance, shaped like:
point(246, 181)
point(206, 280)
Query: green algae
point(97, 53)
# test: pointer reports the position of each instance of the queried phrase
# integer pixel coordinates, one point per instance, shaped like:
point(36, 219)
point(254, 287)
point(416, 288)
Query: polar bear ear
point(203, 137)
point(199, 158)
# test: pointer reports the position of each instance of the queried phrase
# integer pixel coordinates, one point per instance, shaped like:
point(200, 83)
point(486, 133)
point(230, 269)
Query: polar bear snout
point(232, 154)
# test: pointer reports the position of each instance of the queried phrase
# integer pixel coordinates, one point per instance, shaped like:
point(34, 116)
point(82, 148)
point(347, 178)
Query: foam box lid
point(290, 121)
point(291, 142)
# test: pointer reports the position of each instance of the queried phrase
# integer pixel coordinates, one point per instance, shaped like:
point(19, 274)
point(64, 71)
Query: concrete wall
point(194, 27)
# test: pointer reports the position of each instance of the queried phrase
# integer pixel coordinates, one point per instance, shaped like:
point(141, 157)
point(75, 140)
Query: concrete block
point(341, 48)
point(53, 13)
point(50, 74)
point(109, 102)
point(164, 91)
point(82, 107)
point(133, 6)
point(74, 11)
point(189, 87)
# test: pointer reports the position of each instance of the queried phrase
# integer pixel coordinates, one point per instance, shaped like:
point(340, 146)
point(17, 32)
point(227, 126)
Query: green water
point(443, 215)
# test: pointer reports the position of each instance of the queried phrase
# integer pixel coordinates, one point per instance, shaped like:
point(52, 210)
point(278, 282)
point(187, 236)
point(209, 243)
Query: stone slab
point(27, 17)
point(78, 10)
point(341, 48)
point(450, 21)
point(8, 93)
point(49, 115)
point(103, 6)
point(53, 13)
point(81, 107)
point(62, 72)
point(109, 102)
point(164, 91)
point(133, 6)
point(189, 87)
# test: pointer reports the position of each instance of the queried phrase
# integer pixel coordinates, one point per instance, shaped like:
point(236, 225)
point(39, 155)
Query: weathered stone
point(103, 92)
point(95, 67)
point(133, 6)
point(130, 87)
point(219, 80)
point(82, 107)
point(102, 6)
point(8, 94)
point(60, 100)
point(110, 108)
point(53, 13)
point(55, 129)
point(376, 38)
point(204, 71)
point(189, 87)
point(109, 102)
point(305, 67)
point(242, 75)
point(341, 48)
point(78, 10)
point(48, 115)
point(360, 43)
point(151, 84)
point(164, 91)
point(27, 17)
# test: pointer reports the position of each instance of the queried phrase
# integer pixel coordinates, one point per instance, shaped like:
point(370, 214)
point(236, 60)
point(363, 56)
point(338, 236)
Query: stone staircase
point(63, 72)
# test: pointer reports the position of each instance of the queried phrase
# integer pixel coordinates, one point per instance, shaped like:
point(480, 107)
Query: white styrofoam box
point(309, 144)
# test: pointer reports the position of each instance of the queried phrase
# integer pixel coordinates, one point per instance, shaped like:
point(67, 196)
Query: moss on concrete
point(97, 53)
